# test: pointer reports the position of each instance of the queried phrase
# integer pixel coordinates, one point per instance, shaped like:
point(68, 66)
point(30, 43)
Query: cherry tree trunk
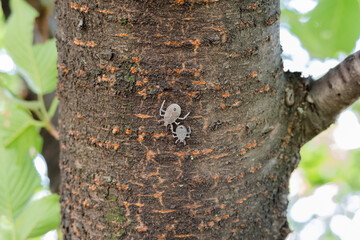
point(123, 174)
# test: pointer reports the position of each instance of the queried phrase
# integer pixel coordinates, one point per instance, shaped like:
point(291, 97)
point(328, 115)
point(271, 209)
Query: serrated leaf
point(331, 28)
point(19, 36)
point(13, 122)
point(39, 217)
point(37, 64)
point(18, 182)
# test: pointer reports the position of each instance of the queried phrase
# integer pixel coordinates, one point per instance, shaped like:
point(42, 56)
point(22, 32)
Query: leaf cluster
point(23, 214)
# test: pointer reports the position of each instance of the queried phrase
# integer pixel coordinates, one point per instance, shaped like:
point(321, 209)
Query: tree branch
point(331, 94)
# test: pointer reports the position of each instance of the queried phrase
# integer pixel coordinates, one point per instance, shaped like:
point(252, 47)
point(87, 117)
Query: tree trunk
point(123, 176)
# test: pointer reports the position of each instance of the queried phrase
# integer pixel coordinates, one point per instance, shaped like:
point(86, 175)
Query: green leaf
point(13, 122)
point(20, 217)
point(33, 105)
point(39, 217)
point(11, 87)
point(331, 28)
point(13, 83)
point(7, 229)
point(18, 182)
point(37, 64)
point(28, 145)
point(53, 107)
point(46, 58)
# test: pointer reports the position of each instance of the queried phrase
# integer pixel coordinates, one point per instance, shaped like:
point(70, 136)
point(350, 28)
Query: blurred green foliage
point(331, 28)
point(320, 166)
point(24, 214)
point(35, 63)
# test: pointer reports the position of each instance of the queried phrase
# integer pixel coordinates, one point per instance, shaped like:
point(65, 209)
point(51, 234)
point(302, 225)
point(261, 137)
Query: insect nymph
point(181, 133)
point(171, 114)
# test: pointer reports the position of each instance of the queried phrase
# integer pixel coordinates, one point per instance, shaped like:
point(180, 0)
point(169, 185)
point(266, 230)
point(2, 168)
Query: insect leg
point(184, 117)
point(161, 109)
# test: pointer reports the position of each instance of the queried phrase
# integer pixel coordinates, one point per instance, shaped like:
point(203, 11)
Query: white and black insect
point(181, 133)
point(171, 114)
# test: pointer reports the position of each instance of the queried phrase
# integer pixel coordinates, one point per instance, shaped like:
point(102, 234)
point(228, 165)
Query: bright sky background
point(6, 63)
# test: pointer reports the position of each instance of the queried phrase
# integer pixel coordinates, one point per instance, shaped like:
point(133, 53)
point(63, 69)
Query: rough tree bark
point(123, 177)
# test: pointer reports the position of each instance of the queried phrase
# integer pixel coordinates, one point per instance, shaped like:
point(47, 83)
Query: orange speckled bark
point(122, 175)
